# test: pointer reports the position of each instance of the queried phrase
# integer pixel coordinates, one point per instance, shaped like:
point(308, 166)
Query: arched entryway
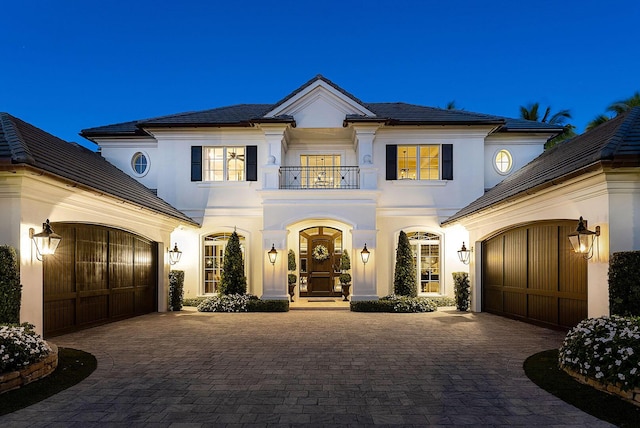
point(320, 249)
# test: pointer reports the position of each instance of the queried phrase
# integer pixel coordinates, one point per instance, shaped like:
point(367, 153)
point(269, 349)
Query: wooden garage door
point(530, 273)
point(97, 275)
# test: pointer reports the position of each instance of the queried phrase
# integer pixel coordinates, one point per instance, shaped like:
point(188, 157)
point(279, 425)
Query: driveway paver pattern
point(307, 368)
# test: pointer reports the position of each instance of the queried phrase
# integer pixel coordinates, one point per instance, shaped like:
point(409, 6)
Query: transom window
point(426, 257)
point(420, 162)
point(503, 161)
point(214, 246)
point(224, 164)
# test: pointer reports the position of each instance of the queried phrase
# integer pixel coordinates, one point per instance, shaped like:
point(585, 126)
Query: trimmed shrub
point(193, 301)
point(396, 304)
point(233, 280)
point(20, 346)
point(624, 288)
point(443, 301)
point(10, 288)
point(462, 290)
point(404, 278)
point(176, 289)
point(345, 265)
point(267, 305)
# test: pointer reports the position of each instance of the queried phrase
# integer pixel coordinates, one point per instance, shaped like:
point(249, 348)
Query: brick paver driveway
point(307, 367)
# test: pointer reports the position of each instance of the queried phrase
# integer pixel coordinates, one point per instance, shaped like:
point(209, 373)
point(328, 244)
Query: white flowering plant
point(606, 349)
point(410, 304)
point(20, 346)
point(320, 253)
point(226, 303)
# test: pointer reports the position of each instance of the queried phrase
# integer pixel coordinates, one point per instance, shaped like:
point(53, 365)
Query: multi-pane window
point(320, 171)
point(426, 257)
point(503, 161)
point(139, 163)
point(224, 163)
point(214, 246)
point(420, 162)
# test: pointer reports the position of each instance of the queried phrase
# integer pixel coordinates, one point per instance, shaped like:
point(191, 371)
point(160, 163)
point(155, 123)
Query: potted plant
point(345, 277)
point(291, 278)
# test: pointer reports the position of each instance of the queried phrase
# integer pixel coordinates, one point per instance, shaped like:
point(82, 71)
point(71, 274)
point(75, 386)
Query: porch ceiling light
point(273, 254)
point(174, 255)
point(582, 239)
point(464, 254)
point(46, 241)
point(365, 254)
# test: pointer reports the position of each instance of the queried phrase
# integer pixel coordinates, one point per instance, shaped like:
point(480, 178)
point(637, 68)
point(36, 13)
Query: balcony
point(319, 177)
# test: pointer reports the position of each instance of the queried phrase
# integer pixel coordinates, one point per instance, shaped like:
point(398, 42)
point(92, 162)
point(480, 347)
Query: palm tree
point(531, 112)
point(617, 107)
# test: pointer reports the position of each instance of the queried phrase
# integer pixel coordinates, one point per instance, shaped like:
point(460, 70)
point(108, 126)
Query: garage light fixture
point(464, 254)
point(582, 239)
point(174, 255)
point(273, 254)
point(46, 241)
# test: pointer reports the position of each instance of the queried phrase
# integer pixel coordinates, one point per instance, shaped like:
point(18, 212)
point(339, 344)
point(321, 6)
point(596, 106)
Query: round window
point(503, 161)
point(139, 163)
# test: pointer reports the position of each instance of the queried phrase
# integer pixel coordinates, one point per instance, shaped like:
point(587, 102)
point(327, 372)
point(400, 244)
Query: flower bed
point(24, 356)
point(241, 303)
point(605, 353)
point(397, 304)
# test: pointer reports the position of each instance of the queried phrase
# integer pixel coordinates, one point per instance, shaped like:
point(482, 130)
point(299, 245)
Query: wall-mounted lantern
point(46, 241)
point(364, 254)
point(174, 255)
point(464, 254)
point(582, 239)
point(273, 254)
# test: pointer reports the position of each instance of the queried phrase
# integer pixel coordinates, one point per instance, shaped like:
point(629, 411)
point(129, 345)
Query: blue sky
point(68, 65)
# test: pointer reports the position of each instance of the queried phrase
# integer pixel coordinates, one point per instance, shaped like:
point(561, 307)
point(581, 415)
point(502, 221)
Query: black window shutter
point(251, 163)
point(196, 163)
point(392, 162)
point(447, 161)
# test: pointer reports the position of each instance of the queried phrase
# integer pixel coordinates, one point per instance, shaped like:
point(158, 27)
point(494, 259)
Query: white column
point(274, 276)
point(276, 145)
point(364, 275)
point(365, 134)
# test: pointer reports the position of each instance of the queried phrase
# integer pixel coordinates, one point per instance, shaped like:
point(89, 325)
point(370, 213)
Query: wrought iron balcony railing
point(319, 177)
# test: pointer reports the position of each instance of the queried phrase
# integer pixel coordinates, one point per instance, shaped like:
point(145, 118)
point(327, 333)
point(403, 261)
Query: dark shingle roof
point(22, 143)
point(389, 113)
point(615, 143)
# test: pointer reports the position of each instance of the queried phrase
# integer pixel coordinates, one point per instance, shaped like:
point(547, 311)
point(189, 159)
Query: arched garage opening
point(530, 273)
point(98, 275)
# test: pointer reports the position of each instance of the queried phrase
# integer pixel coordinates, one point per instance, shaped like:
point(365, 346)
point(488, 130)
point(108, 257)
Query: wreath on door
point(320, 253)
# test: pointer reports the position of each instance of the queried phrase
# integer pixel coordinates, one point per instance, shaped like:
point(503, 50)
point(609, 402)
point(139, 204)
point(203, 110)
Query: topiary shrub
point(233, 280)
point(291, 266)
point(176, 289)
point(345, 265)
point(404, 278)
point(10, 288)
point(461, 289)
point(624, 287)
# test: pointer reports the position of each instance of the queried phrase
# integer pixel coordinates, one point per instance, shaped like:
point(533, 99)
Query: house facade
point(320, 173)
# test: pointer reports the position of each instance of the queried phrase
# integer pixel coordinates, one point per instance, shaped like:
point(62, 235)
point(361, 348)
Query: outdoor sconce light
point(174, 255)
point(582, 239)
point(273, 254)
point(365, 254)
point(464, 255)
point(46, 241)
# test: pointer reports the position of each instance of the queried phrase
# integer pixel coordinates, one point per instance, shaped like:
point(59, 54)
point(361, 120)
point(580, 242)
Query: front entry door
point(321, 273)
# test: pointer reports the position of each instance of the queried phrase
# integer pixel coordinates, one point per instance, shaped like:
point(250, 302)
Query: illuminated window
point(223, 164)
point(320, 171)
point(426, 258)
point(419, 162)
point(503, 161)
point(214, 246)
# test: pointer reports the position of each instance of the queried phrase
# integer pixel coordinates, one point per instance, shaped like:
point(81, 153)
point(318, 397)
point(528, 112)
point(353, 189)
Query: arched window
point(214, 246)
point(139, 163)
point(426, 256)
